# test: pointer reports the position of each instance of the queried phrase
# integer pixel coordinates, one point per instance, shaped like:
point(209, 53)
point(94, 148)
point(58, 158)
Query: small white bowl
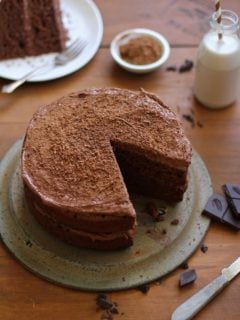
point(125, 36)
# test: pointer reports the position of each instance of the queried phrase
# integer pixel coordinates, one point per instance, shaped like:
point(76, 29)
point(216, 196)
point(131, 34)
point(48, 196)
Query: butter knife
point(193, 305)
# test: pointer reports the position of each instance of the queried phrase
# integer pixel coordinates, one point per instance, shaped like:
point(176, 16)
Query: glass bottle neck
point(229, 22)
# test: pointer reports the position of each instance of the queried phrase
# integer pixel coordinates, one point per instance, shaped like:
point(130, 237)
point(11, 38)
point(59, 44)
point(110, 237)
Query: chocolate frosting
point(68, 158)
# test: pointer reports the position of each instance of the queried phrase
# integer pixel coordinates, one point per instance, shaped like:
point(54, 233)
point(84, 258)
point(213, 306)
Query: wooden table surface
point(25, 296)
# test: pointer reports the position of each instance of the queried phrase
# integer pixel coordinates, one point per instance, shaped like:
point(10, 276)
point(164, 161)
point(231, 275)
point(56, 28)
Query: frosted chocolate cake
point(83, 153)
point(30, 28)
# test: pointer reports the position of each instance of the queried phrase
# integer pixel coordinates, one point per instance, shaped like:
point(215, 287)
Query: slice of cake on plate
point(30, 28)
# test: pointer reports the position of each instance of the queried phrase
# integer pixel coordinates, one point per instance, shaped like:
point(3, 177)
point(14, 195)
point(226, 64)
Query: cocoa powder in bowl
point(141, 50)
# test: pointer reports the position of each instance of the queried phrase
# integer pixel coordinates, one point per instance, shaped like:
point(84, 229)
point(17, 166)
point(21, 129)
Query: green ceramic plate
point(159, 247)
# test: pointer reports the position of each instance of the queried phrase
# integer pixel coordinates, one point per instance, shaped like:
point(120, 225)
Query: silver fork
point(60, 59)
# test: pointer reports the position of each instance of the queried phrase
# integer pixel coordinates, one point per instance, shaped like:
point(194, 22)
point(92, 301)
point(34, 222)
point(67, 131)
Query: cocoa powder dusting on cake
point(141, 50)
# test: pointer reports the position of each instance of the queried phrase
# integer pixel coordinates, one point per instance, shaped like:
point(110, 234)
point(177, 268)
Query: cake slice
point(30, 28)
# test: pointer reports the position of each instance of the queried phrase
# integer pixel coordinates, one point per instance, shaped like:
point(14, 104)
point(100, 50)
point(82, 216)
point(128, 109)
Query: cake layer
point(85, 221)
point(82, 239)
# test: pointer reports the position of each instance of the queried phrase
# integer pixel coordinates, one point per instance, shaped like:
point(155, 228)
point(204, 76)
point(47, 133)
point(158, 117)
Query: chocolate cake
point(83, 153)
point(30, 28)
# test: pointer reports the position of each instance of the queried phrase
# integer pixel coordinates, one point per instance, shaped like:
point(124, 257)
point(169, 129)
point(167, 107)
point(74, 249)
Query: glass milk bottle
point(217, 78)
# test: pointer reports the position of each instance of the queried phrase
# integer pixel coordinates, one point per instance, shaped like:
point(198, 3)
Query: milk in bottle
point(217, 78)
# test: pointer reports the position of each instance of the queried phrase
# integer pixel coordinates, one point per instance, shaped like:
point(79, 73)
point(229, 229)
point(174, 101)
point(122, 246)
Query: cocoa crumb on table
point(144, 288)
point(186, 66)
point(204, 248)
point(171, 68)
point(189, 118)
point(184, 265)
point(109, 308)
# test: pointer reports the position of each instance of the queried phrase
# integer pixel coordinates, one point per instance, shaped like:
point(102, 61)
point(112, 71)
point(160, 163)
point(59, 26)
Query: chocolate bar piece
point(187, 277)
point(232, 192)
point(217, 208)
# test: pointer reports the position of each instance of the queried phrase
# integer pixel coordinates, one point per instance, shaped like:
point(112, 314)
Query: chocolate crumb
point(189, 118)
point(159, 218)
point(175, 222)
point(186, 66)
point(107, 315)
point(171, 68)
point(105, 304)
point(184, 265)
point(144, 288)
point(199, 124)
point(154, 212)
point(164, 231)
point(28, 243)
point(204, 248)
point(114, 310)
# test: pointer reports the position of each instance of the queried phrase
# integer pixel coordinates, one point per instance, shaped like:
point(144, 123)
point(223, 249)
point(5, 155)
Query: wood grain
point(25, 296)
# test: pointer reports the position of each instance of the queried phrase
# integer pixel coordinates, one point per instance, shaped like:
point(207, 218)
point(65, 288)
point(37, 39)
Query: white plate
point(81, 18)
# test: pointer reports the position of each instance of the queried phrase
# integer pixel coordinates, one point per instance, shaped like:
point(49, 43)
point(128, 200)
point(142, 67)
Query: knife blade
point(194, 304)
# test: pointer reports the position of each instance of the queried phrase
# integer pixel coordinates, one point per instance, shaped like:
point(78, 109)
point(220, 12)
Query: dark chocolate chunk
point(204, 248)
point(187, 277)
point(217, 208)
point(232, 192)
point(184, 265)
point(144, 288)
point(186, 66)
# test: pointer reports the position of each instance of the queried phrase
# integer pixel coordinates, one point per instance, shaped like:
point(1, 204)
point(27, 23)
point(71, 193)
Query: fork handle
point(9, 88)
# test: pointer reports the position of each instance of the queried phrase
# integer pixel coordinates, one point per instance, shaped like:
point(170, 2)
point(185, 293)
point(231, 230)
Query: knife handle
point(193, 305)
